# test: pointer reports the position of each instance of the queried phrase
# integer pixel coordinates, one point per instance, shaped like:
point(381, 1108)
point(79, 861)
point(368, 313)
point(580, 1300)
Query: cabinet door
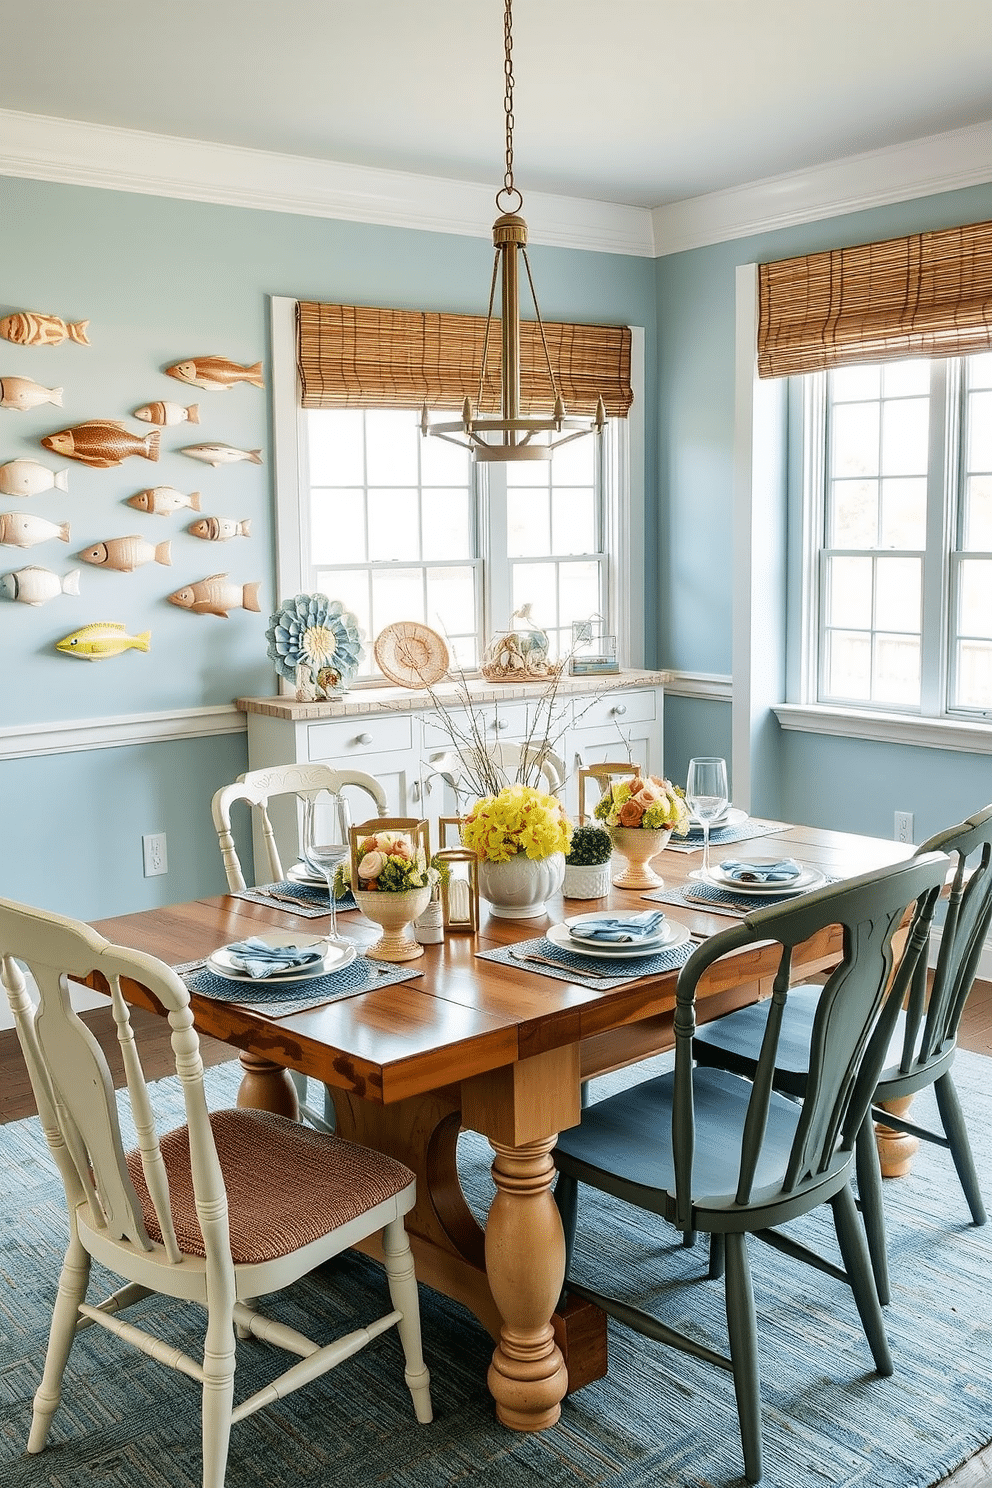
point(603, 746)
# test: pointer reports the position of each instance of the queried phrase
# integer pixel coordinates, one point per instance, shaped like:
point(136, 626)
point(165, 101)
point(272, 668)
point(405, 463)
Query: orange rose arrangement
point(656, 805)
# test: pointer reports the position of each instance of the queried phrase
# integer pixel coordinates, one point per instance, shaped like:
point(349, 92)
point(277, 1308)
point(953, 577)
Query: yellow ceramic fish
point(102, 639)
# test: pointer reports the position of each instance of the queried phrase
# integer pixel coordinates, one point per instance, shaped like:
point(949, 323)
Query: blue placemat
point(693, 841)
point(725, 901)
point(280, 1000)
point(298, 898)
point(572, 966)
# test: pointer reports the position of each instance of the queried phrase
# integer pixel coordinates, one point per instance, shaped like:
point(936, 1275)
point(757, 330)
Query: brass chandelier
point(510, 436)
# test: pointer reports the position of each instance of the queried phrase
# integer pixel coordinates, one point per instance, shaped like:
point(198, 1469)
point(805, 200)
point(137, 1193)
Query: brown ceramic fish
point(161, 500)
point(29, 328)
point(215, 373)
point(220, 529)
point(102, 442)
point(215, 596)
point(125, 554)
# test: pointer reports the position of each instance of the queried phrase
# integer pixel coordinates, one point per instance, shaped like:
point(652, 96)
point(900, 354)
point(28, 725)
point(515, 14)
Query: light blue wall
point(161, 280)
point(824, 781)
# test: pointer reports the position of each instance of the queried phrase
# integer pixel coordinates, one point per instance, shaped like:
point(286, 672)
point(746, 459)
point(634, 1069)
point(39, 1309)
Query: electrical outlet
point(904, 826)
point(155, 854)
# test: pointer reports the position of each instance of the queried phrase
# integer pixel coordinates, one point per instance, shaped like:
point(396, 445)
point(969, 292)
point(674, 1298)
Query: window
point(406, 528)
point(898, 515)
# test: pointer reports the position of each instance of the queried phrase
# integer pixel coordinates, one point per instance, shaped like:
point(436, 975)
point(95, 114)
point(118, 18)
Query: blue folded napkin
point(784, 871)
point(609, 927)
point(259, 959)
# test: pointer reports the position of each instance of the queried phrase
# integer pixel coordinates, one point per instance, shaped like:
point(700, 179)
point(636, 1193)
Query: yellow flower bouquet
point(518, 820)
point(653, 804)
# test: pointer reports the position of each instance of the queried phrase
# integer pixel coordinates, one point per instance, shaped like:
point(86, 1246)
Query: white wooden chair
point(209, 1213)
point(461, 771)
point(257, 787)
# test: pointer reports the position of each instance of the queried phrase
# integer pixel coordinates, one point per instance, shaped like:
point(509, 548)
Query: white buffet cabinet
point(394, 734)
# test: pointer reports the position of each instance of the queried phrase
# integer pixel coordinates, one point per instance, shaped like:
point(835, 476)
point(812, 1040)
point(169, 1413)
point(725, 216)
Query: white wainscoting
point(24, 741)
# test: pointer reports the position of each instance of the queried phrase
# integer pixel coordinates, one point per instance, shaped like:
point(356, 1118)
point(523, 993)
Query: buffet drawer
point(352, 738)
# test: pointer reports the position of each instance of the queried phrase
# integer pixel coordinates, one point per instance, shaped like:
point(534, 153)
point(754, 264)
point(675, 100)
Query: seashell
point(168, 413)
point(220, 454)
point(215, 596)
point(102, 442)
point(215, 373)
point(28, 478)
point(29, 328)
point(34, 586)
point(102, 639)
point(125, 554)
point(22, 530)
point(25, 393)
point(160, 500)
point(220, 529)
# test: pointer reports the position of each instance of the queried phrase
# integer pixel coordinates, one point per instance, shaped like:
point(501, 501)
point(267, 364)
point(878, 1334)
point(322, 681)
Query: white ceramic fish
point(102, 639)
point(28, 478)
point(221, 454)
point(220, 529)
point(22, 530)
point(168, 413)
point(160, 500)
point(35, 586)
point(215, 596)
point(125, 554)
point(24, 393)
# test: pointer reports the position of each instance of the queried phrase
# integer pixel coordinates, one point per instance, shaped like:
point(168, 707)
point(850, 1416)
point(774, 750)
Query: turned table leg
point(896, 1149)
point(267, 1087)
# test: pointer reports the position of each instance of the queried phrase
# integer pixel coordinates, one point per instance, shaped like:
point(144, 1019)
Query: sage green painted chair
point(712, 1152)
point(923, 1044)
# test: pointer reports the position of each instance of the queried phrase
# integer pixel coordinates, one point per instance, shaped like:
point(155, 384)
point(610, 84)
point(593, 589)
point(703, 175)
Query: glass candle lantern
point(460, 891)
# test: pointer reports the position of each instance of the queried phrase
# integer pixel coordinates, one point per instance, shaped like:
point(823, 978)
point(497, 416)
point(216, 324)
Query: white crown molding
point(887, 728)
point(28, 740)
point(713, 686)
point(75, 153)
point(923, 167)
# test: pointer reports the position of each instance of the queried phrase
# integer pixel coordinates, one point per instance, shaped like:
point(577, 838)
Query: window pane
point(351, 587)
point(573, 521)
point(528, 473)
point(578, 592)
point(446, 524)
point(535, 584)
point(444, 464)
point(974, 675)
point(451, 600)
point(980, 431)
point(394, 525)
point(849, 582)
point(904, 513)
point(848, 668)
point(392, 442)
point(978, 514)
point(902, 378)
point(905, 429)
point(897, 670)
point(975, 597)
point(980, 370)
point(854, 514)
point(897, 593)
point(337, 451)
point(397, 594)
point(337, 526)
point(854, 382)
point(855, 439)
point(575, 463)
point(528, 523)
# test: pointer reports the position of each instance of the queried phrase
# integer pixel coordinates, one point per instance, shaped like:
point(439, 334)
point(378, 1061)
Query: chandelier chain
point(508, 96)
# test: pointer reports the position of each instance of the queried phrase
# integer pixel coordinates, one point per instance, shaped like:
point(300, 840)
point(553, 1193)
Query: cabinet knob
point(502, 723)
point(364, 739)
point(619, 708)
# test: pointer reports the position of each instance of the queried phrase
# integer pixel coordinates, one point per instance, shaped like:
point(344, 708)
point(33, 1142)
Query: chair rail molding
point(24, 741)
point(713, 686)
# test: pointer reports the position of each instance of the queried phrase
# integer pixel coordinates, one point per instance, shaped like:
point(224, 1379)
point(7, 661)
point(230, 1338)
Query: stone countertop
point(362, 701)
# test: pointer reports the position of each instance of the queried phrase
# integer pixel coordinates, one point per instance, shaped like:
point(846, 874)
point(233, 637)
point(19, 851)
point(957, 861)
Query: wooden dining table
point(499, 1049)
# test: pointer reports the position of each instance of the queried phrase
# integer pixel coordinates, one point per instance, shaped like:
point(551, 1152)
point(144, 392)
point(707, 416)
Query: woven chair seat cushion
point(287, 1185)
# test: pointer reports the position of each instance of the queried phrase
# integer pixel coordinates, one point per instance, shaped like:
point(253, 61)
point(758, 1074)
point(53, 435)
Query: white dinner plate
point(302, 874)
point(335, 957)
point(660, 937)
point(560, 935)
point(809, 878)
point(730, 818)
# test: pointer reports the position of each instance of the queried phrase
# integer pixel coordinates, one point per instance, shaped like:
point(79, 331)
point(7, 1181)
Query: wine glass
point(325, 841)
point(707, 795)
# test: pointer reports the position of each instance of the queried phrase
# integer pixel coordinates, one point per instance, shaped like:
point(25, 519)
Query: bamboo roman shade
point(354, 356)
point(926, 295)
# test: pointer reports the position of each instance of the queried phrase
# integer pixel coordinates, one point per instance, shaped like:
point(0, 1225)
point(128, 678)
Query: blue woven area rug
point(661, 1418)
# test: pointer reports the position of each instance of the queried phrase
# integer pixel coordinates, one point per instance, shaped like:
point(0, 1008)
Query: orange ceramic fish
point(102, 442)
point(220, 529)
point(126, 553)
point(215, 373)
point(28, 328)
point(215, 596)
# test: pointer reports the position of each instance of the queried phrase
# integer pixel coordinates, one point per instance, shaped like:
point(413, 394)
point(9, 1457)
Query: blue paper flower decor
point(317, 632)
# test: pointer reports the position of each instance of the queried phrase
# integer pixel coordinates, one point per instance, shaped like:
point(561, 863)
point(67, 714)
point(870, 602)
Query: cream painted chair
point(258, 787)
point(209, 1213)
point(461, 771)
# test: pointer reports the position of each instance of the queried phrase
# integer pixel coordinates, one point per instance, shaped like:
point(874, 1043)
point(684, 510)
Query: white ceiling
point(639, 102)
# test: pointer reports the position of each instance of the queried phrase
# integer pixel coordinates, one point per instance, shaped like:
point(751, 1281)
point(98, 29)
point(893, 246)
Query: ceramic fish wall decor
point(125, 554)
point(29, 328)
point(28, 478)
point(102, 442)
point(215, 374)
point(102, 639)
point(25, 393)
point(168, 413)
point(215, 596)
point(220, 529)
point(161, 500)
point(22, 530)
point(35, 586)
point(220, 454)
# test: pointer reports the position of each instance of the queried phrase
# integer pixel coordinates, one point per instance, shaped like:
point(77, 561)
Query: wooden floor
point(16, 1101)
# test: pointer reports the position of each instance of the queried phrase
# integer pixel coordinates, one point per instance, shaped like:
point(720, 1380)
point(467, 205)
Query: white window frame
point(623, 516)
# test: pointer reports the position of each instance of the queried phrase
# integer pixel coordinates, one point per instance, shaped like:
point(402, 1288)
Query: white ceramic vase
point(638, 845)
point(587, 880)
point(519, 888)
point(394, 912)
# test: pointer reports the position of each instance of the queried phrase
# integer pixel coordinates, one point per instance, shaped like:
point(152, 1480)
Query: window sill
point(887, 728)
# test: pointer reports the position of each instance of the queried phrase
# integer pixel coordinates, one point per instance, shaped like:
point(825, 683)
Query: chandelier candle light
point(512, 436)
